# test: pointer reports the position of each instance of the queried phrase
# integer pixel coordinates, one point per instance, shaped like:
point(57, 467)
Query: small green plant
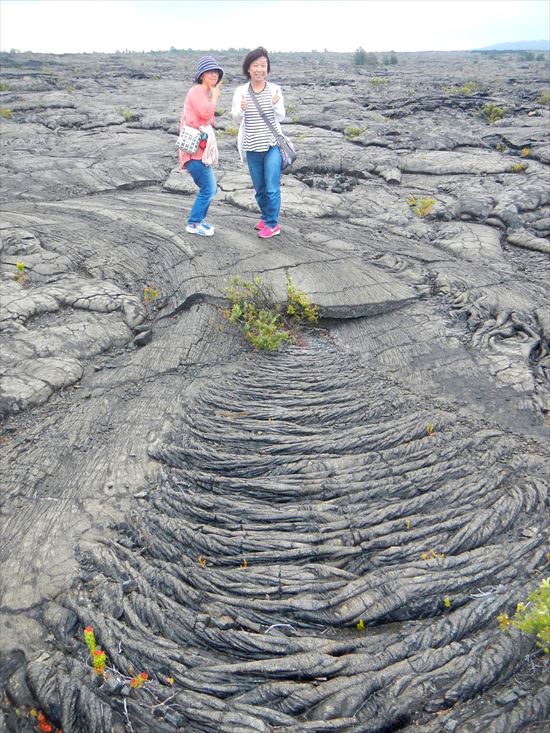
point(518, 167)
point(89, 638)
point(421, 206)
point(432, 555)
point(544, 99)
point(128, 115)
point(500, 147)
point(20, 272)
point(492, 113)
point(467, 88)
point(407, 523)
point(525, 152)
point(266, 325)
point(252, 309)
point(430, 428)
point(3, 87)
point(99, 658)
point(264, 331)
point(360, 625)
point(351, 132)
point(533, 617)
point(70, 88)
point(6, 113)
point(231, 130)
point(299, 306)
point(219, 112)
point(447, 602)
point(377, 81)
point(150, 293)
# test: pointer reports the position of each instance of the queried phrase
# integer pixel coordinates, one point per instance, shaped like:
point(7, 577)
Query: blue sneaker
point(204, 231)
point(208, 227)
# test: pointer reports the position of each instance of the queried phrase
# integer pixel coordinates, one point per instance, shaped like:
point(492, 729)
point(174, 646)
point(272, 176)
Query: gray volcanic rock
point(316, 539)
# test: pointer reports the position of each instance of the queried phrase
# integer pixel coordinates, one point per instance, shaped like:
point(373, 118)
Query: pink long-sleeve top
point(197, 110)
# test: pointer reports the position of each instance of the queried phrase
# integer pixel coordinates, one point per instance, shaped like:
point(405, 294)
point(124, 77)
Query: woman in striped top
point(256, 142)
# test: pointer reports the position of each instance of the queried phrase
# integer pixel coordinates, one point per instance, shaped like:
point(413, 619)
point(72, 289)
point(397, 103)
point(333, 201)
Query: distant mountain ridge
point(518, 46)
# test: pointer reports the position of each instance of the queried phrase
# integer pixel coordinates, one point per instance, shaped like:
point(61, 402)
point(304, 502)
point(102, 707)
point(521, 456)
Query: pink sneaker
point(267, 232)
point(260, 225)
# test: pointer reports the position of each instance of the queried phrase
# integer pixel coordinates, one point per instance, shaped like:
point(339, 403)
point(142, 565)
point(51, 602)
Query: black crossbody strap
point(262, 113)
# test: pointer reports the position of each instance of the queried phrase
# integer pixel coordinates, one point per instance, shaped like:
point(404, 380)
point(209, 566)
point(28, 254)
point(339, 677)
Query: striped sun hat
point(208, 63)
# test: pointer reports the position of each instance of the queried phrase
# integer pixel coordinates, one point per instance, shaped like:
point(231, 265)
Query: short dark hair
point(252, 56)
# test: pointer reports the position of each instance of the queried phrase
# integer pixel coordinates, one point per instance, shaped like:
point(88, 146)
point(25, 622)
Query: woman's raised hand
point(215, 93)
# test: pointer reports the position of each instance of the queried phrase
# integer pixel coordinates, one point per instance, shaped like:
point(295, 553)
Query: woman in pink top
point(198, 110)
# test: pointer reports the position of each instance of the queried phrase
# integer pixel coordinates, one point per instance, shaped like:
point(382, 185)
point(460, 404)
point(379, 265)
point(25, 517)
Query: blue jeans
point(204, 177)
point(265, 171)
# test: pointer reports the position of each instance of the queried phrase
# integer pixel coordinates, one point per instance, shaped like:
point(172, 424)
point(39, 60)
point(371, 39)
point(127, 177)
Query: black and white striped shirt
point(257, 135)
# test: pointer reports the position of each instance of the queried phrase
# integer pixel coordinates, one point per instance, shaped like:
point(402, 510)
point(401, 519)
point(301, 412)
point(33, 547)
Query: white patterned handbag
point(189, 139)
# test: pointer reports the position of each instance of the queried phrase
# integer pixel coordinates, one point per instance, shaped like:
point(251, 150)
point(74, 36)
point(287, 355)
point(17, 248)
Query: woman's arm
point(198, 109)
point(236, 110)
point(279, 106)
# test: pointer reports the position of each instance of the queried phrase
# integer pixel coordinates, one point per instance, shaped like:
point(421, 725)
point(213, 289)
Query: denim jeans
point(265, 171)
point(204, 177)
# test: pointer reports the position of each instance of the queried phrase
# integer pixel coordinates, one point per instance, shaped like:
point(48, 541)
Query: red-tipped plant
point(138, 681)
point(89, 638)
point(99, 659)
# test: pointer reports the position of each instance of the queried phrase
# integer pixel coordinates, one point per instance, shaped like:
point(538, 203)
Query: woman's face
point(258, 69)
point(210, 78)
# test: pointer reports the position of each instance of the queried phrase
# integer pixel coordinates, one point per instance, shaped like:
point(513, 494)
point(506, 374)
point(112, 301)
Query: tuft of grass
point(421, 206)
point(377, 81)
point(544, 99)
point(352, 132)
point(468, 88)
point(128, 114)
point(230, 130)
point(3, 87)
point(6, 113)
point(518, 167)
point(492, 113)
point(525, 152)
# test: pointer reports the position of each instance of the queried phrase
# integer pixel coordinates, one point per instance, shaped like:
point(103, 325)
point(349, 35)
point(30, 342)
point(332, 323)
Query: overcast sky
point(63, 26)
